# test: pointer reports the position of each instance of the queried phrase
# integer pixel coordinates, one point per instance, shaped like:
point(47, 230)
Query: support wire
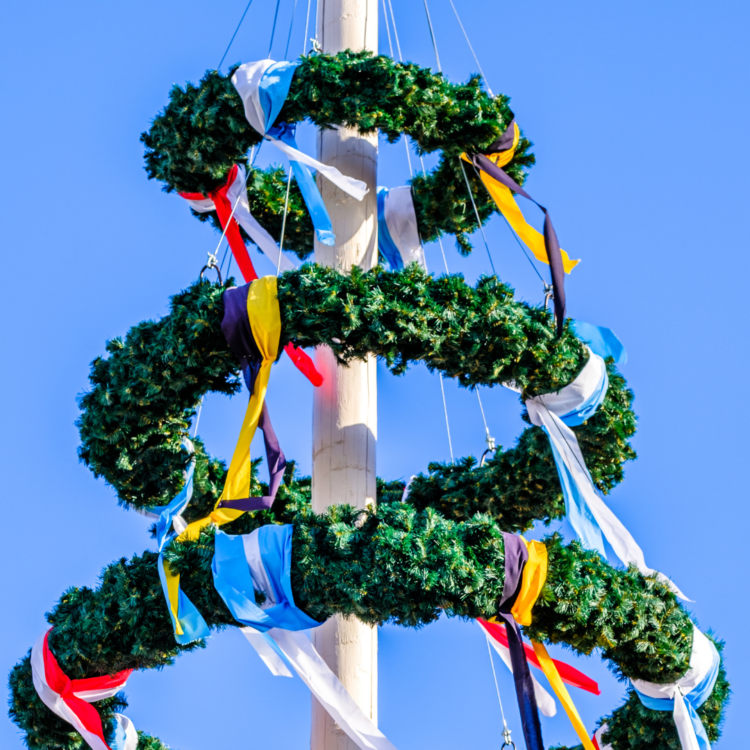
point(226, 51)
point(432, 36)
point(476, 213)
point(476, 59)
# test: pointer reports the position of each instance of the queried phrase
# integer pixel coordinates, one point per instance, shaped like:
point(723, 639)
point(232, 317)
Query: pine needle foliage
point(194, 142)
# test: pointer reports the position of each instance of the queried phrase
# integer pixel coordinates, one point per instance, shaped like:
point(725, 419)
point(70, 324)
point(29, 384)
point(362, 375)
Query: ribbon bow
point(232, 197)
point(398, 233)
point(499, 185)
point(263, 87)
point(686, 695)
point(71, 699)
point(589, 515)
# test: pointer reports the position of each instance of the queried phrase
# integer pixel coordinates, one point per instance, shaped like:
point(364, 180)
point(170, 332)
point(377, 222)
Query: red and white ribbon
point(230, 200)
point(71, 699)
point(599, 743)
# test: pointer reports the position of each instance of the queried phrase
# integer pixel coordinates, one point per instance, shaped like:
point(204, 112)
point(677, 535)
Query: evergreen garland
point(406, 563)
point(193, 143)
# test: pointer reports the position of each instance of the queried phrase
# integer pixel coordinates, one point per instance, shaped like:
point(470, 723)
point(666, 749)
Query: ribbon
point(71, 699)
point(233, 197)
point(261, 561)
point(597, 740)
point(589, 515)
point(263, 87)
point(398, 234)
point(516, 556)
point(568, 674)
point(687, 694)
point(265, 324)
point(499, 185)
point(602, 341)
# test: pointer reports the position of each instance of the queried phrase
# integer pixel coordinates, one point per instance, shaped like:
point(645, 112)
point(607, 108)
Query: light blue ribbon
point(193, 625)
point(386, 245)
point(272, 93)
point(233, 581)
point(603, 341)
point(693, 700)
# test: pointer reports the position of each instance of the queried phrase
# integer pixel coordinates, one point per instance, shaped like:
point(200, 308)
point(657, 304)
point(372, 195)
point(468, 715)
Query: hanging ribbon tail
point(126, 736)
point(329, 691)
point(303, 362)
point(276, 466)
point(552, 246)
point(398, 233)
point(568, 674)
point(268, 650)
point(602, 341)
point(285, 133)
point(232, 233)
point(187, 621)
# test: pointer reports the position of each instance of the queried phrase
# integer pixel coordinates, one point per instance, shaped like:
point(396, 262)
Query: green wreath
point(202, 133)
point(441, 551)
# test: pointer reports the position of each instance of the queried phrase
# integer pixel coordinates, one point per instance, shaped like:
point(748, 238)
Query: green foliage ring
point(202, 132)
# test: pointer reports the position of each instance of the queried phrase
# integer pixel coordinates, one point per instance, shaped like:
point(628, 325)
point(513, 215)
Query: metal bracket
point(211, 264)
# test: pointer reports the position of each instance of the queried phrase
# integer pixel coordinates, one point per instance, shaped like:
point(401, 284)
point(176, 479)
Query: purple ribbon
point(551, 245)
point(235, 326)
point(516, 556)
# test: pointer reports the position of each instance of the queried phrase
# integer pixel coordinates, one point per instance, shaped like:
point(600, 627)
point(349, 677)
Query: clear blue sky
point(638, 112)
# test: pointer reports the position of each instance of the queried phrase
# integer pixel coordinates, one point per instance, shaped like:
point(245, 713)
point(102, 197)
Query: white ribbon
point(56, 704)
point(544, 700)
point(237, 196)
point(247, 80)
point(703, 659)
point(401, 220)
point(307, 662)
point(598, 737)
point(545, 411)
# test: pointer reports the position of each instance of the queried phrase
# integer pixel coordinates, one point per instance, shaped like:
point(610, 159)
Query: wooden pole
point(345, 407)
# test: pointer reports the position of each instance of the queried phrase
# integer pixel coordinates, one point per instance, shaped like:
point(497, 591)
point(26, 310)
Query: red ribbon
point(223, 206)
point(66, 689)
point(568, 674)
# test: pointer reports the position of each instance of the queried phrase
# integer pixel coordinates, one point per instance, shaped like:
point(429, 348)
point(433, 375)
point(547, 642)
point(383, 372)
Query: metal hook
point(316, 45)
point(211, 263)
point(507, 741)
point(490, 448)
point(548, 294)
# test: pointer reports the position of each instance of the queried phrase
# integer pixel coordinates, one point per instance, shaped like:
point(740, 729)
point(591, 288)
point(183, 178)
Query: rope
point(432, 36)
point(494, 675)
point(283, 221)
point(447, 423)
point(476, 59)
point(387, 28)
point(307, 25)
point(273, 30)
point(226, 51)
point(291, 26)
point(395, 33)
point(476, 213)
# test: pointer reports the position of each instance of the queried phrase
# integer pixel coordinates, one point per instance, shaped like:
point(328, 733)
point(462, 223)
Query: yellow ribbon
point(265, 322)
point(505, 201)
point(532, 582)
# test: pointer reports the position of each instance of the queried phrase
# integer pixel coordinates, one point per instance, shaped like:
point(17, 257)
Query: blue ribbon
point(272, 93)
point(602, 341)
point(193, 625)
point(386, 245)
point(233, 581)
point(693, 700)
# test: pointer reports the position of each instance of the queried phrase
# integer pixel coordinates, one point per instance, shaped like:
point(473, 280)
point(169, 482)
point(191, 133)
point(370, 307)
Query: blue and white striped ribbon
point(263, 87)
point(398, 234)
point(689, 693)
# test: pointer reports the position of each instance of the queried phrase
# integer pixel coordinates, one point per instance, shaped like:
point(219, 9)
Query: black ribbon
point(235, 326)
point(516, 556)
point(551, 245)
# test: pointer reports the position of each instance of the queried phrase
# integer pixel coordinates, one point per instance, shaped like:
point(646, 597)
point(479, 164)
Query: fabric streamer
point(602, 341)
point(499, 185)
point(687, 694)
point(232, 196)
point(264, 318)
point(589, 515)
point(568, 674)
point(263, 87)
point(71, 699)
point(398, 234)
point(597, 740)
point(261, 561)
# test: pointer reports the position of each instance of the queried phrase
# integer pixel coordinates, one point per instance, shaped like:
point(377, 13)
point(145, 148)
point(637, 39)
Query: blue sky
point(638, 113)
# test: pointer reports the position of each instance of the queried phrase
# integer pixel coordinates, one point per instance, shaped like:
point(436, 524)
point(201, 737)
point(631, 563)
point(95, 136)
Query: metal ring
point(481, 464)
point(208, 267)
point(508, 744)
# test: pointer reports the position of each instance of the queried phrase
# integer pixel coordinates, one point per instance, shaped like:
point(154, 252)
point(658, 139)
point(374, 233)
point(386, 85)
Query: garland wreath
point(442, 550)
point(194, 143)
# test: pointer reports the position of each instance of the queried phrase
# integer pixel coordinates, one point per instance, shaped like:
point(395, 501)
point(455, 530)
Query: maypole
point(345, 407)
